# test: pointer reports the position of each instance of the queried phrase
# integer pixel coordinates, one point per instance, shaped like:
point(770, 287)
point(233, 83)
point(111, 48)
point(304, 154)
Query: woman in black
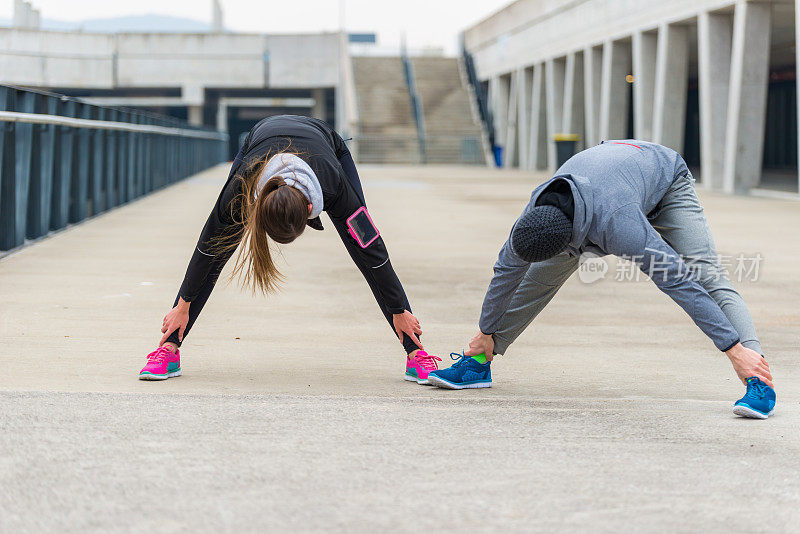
point(289, 170)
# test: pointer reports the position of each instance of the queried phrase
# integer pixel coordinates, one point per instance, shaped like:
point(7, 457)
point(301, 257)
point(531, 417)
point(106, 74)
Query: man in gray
point(635, 200)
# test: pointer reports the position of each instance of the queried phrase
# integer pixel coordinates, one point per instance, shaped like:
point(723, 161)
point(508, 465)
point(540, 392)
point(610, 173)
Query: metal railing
point(416, 100)
point(63, 160)
point(481, 98)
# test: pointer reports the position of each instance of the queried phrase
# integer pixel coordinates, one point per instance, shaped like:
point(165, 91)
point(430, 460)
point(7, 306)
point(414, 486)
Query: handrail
point(39, 118)
point(483, 104)
point(416, 101)
point(80, 100)
point(64, 159)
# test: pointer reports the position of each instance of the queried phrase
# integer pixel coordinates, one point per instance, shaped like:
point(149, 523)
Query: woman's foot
point(162, 363)
point(419, 365)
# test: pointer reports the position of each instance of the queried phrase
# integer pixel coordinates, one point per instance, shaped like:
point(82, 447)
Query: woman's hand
point(405, 323)
point(481, 344)
point(749, 363)
point(176, 319)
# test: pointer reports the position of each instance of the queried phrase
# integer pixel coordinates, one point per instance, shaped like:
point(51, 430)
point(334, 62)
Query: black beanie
point(541, 234)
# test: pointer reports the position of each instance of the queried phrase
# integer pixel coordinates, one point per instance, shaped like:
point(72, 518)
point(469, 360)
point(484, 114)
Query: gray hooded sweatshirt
point(615, 185)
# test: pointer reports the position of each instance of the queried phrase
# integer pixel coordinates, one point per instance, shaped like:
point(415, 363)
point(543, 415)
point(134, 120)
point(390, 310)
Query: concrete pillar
point(672, 84)
point(714, 31)
point(573, 115)
point(222, 116)
point(510, 159)
point(28, 18)
point(16, 21)
point(20, 14)
point(538, 125)
point(592, 77)
point(491, 100)
point(614, 90)
point(644, 83)
point(216, 17)
point(797, 77)
point(498, 98)
point(524, 76)
point(747, 96)
point(194, 96)
point(554, 98)
point(318, 110)
point(196, 115)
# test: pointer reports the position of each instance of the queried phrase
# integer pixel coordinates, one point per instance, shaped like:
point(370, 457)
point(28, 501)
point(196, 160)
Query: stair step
point(388, 128)
point(447, 111)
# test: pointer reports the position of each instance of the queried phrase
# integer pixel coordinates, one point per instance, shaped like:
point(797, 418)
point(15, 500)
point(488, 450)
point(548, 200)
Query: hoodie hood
point(297, 174)
point(582, 199)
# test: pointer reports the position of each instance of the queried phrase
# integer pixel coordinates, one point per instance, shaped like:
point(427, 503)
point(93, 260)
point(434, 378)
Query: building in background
point(713, 79)
point(409, 110)
point(214, 78)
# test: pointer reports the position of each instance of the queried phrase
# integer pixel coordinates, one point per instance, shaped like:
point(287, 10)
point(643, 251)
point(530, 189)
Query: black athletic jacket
point(321, 147)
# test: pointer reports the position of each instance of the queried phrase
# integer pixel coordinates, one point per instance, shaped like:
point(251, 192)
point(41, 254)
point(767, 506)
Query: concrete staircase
point(453, 136)
point(388, 129)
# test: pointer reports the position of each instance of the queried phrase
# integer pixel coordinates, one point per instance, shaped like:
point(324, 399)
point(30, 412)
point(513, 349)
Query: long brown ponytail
point(278, 211)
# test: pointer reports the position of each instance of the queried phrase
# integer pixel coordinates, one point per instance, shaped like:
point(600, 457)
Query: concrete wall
point(76, 59)
point(204, 60)
point(50, 59)
point(732, 43)
point(301, 61)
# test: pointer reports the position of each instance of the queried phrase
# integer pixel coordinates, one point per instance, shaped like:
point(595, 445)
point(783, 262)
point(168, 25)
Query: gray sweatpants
point(682, 224)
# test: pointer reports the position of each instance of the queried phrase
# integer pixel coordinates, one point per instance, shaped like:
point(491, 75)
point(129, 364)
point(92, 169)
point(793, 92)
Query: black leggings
point(199, 301)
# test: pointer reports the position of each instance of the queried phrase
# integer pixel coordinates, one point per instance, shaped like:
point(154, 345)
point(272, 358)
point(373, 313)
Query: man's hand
point(405, 323)
point(481, 344)
point(176, 319)
point(749, 363)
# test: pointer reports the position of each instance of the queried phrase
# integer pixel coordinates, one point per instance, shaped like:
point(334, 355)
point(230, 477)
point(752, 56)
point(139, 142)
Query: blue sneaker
point(465, 373)
point(758, 402)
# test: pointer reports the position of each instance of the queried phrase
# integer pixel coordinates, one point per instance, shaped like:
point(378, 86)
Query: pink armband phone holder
point(361, 227)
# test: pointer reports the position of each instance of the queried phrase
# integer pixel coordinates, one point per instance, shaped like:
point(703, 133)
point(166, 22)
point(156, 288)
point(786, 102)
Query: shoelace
point(757, 388)
point(159, 355)
point(459, 357)
point(428, 361)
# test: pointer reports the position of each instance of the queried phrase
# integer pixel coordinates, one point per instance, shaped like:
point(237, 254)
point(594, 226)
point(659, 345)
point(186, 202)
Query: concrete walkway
point(611, 413)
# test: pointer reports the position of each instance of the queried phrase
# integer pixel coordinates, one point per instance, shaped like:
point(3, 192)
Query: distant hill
point(131, 23)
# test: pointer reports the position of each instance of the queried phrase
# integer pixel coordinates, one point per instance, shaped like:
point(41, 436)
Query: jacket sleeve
point(509, 271)
point(339, 146)
point(372, 261)
point(205, 266)
point(631, 236)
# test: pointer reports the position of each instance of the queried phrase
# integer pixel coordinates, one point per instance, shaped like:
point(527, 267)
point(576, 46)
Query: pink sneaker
point(162, 363)
point(418, 367)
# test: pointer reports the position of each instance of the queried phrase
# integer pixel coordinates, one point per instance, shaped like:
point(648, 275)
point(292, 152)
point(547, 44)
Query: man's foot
point(419, 365)
point(758, 402)
point(466, 373)
point(162, 363)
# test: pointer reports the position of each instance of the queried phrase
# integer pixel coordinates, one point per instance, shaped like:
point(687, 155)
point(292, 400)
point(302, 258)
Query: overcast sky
point(425, 22)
